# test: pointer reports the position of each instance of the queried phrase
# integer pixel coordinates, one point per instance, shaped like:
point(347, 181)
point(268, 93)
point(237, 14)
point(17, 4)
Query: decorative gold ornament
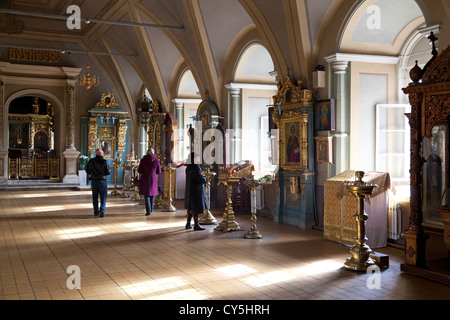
point(107, 101)
point(122, 134)
point(92, 136)
point(289, 93)
point(87, 81)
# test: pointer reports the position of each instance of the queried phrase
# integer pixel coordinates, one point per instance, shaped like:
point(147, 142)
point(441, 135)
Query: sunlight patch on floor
point(318, 268)
point(236, 270)
point(77, 233)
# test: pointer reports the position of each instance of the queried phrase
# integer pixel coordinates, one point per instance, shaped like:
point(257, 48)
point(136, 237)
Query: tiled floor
point(126, 255)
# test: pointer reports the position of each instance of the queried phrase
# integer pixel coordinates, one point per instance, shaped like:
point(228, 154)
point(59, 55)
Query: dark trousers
point(149, 202)
point(99, 188)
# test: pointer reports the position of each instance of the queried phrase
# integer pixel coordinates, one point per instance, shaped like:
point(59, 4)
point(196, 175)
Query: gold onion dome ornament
point(87, 81)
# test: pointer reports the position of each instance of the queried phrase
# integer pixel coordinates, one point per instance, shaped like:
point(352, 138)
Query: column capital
point(178, 103)
point(339, 66)
point(233, 90)
point(185, 100)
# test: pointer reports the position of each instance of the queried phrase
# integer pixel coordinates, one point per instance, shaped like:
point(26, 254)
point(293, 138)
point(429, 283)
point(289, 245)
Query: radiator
point(394, 221)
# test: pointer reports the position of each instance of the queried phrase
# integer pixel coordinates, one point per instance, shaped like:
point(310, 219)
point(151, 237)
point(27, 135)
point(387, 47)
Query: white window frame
point(406, 147)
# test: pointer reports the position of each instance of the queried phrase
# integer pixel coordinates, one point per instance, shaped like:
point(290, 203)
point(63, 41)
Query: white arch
point(356, 6)
point(242, 60)
point(187, 77)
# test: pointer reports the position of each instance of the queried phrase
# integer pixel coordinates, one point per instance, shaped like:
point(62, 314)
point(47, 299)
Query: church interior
point(323, 129)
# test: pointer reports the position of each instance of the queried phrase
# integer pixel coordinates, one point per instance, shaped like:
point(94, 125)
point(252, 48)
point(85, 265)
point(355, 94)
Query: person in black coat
point(98, 169)
point(195, 195)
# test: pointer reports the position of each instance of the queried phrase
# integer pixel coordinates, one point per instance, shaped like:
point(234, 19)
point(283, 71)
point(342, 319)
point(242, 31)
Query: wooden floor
point(126, 255)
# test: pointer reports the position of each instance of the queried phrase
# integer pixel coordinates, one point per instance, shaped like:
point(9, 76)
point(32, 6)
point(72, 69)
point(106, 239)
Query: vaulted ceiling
point(296, 33)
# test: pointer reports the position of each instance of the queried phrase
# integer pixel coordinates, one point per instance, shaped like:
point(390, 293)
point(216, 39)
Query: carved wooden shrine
point(429, 96)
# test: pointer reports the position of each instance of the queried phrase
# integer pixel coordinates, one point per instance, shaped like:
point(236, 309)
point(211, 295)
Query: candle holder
point(360, 260)
point(134, 167)
point(116, 164)
point(228, 223)
point(253, 233)
point(124, 193)
point(207, 217)
point(168, 206)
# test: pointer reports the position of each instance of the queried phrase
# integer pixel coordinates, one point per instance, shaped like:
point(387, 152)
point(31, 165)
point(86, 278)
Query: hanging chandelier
point(87, 81)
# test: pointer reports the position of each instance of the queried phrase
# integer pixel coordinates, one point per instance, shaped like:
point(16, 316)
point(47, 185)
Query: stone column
point(339, 89)
point(235, 118)
point(70, 154)
point(179, 114)
point(143, 139)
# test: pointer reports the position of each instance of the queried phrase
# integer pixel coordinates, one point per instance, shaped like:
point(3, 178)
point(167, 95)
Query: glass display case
point(445, 200)
point(435, 154)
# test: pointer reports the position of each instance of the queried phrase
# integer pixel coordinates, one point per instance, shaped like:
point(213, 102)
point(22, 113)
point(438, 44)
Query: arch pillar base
point(70, 164)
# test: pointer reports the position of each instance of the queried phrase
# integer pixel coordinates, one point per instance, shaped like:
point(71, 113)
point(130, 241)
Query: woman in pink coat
point(149, 168)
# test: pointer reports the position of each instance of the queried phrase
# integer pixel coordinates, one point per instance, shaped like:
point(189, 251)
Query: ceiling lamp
point(87, 81)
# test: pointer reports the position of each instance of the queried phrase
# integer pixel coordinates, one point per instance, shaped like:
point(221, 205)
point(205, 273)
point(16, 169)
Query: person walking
point(98, 169)
point(195, 195)
point(149, 168)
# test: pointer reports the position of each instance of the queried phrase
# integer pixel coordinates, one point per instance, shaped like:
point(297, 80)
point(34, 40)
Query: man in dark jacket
point(98, 169)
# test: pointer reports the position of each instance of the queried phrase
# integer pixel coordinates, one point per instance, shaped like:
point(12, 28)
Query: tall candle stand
point(124, 193)
point(360, 259)
point(228, 223)
point(134, 167)
point(168, 206)
point(253, 233)
point(116, 164)
point(207, 217)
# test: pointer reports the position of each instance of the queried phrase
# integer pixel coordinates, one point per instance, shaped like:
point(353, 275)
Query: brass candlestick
point(253, 233)
point(116, 164)
point(229, 223)
point(168, 206)
point(134, 167)
point(207, 217)
point(158, 202)
point(124, 189)
point(360, 259)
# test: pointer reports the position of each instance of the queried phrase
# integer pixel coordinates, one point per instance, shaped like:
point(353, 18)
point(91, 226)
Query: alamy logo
point(74, 21)
point(74, 280)
point(373, 22)
point(374, 280)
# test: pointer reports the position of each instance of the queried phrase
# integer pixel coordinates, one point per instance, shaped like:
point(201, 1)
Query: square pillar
point(71, 168)
point(3, 167)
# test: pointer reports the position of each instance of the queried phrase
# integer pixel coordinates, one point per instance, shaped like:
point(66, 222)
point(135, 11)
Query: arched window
point(185, 104)
point(250, 94)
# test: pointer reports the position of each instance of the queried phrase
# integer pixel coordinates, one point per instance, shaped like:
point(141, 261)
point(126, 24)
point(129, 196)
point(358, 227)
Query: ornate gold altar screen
point(31, 144)
point(107, 127)
point(429, 96)
point(293, 117)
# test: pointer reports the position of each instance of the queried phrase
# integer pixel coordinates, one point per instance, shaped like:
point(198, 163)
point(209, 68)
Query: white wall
point(373, 90)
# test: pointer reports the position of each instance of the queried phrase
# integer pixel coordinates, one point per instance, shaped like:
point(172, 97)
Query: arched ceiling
point(381, 26)
point(155, 58)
